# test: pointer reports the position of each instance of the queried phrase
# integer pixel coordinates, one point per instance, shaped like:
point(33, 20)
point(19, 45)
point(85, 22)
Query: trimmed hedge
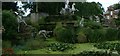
point(111, 34)
point(64, 34)
point(100, 35)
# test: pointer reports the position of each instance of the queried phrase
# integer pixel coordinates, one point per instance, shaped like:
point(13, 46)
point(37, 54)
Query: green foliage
point(59, 18)
point(118, 34)
point(117, 21)
point(96, 35)
point(111, 34)
point(88, 9)
point(33, 44)
point(64, 34)
point(93, 35)
point(85, 9)
point(111, 46)
point(57, 28)
point(49, 7)
point(28, 21)
point(81, 38)
point(41, 20)
point(60, 46)
point(93, 25)
point(93, 53)
point(6, 44)
point(116, 6)
point(9, 22)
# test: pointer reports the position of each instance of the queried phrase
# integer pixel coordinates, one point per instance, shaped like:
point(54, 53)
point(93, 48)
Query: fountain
point(81, 22)
point(44, 34)
point(22, 12)
point(67, 10)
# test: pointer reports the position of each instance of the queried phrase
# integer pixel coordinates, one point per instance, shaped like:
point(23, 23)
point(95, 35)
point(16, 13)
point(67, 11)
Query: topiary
point(64, 34)
point(81, 38)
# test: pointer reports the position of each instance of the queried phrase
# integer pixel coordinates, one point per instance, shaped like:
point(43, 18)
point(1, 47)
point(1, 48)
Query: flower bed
point(60, 46)
point(93, 53)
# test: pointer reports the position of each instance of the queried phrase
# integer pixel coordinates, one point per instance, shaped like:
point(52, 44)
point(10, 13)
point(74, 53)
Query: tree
point(88, 9)
point(116, 6)
point(9, 6)
point(51, 8)
point(10, 24)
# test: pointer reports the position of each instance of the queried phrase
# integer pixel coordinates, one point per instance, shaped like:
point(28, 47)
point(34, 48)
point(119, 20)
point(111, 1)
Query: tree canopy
point(85, 9)
point(9, 22)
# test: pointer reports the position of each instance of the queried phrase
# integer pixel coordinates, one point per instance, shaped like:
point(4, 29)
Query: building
point(111, 13)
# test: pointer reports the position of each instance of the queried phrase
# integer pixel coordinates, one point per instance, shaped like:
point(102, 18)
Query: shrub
point(60, 46)
point(41, 20)
point(117, 21)
point(57, 28)
point(9, 22)
point(64, 34)
point(118, 34)
point(93, 35)
point(6, 44)
point(81, 37)
point(98, 35)
point(33, 44)
point(108, 46)
point(111, 34)
point(93, 25)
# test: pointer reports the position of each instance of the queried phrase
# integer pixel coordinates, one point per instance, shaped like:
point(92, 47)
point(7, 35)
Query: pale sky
point(105, 3)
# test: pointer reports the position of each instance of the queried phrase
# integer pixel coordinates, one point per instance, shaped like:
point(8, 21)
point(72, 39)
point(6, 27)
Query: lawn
point(79, 48)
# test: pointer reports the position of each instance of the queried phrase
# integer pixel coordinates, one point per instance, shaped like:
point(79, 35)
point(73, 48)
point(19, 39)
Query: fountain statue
point(44, 33)
point(81, 22)
point(67, 10)
point(22, 12)
point(73, 8)
point(66, 4)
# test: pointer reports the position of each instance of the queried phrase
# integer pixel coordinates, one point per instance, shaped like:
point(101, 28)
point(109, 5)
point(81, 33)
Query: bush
point(117, 22)
point(93, 35)
point(60, 46)
point(111, 46)
point(41, 20)
point(57, 28)
point(64, 34)
point(118, 34)
point(81, 37)
point(6, 44)
point(93, 25)
point(33, 44)
point(9, 22)
point(111, 34)
point(97, 35)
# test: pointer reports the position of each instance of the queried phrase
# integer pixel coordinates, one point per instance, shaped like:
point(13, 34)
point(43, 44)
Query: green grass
point(79, 48)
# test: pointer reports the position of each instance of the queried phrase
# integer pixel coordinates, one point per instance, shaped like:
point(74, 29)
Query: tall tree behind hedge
point(89, 9)
point(10, 24)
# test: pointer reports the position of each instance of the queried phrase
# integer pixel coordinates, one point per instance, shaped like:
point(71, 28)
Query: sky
point(105, 3)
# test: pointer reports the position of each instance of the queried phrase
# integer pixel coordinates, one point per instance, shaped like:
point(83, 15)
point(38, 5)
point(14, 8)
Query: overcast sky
point(105, 3)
